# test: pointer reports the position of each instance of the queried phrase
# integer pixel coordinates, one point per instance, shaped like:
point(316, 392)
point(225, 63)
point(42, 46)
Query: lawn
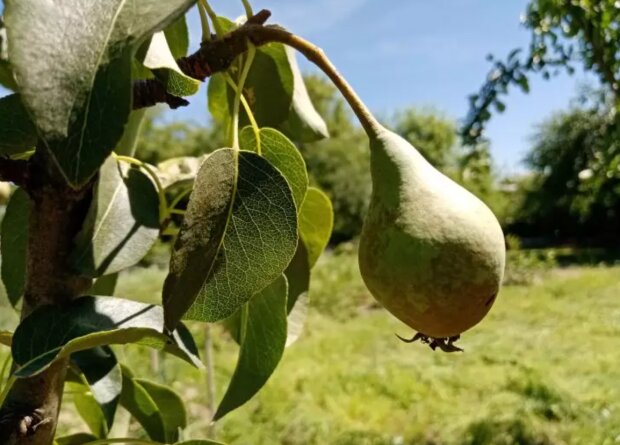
point(543, 368)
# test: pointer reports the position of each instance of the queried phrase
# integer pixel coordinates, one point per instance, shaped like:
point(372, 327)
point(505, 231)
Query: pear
point(430, 252)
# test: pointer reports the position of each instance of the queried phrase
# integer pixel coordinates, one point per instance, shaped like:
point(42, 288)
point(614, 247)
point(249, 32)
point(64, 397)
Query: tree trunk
point(30, 412)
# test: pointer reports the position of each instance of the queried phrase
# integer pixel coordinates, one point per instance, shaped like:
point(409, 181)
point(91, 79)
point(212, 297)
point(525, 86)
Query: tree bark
point(30, 412)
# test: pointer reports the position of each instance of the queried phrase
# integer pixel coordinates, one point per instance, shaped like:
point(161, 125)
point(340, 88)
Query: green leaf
point(6, 338)
point(14, 244)
point(238, 235)
point(17, 132)
point(282, 154)
point(103, 376)
point(161, 61)
point(6, 73)
point(136, 400)
point(52, 332)
point(316, 221)
point(268, 89)
point(122, 223)
point(86, 406)
point(75, 439)
point(72, 62)
point(127, 145)
point(171, 408)
point(104, 285)
point(298, 277)
point(199, 442)
point(304, 124)
point(263, 338)
point(177, 36)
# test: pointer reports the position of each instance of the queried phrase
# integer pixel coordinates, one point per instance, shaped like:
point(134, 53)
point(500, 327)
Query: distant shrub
point(524, 267)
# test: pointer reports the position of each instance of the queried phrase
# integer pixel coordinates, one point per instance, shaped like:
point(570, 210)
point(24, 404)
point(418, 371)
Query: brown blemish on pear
point(430, 252)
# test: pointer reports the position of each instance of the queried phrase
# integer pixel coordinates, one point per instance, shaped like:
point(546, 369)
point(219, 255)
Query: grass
point(542, 369)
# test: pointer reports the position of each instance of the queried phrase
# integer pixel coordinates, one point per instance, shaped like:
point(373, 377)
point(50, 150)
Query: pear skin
point(431, 252)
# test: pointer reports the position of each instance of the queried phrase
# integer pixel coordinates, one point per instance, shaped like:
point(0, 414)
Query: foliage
point(574, 188)
point(564, 34)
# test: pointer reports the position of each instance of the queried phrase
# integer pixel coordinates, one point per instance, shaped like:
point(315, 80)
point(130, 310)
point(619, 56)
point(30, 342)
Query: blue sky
point(401, 53)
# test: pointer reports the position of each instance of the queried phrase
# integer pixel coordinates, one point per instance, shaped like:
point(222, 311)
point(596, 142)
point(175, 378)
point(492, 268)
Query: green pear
point(431, 252)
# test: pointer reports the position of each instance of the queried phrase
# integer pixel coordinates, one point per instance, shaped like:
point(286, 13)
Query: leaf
point(238, 235)
point(103, 376)
point(14, 244)
point(86, 406)
point(104, 285)
point(298, 277)
point(6, 338)
point(161, 61)
point(268, 89)
point(304, 124)
point(316, 221)
point(52, 332)
point(136, 400)
point(122, 223)
point(72, 62)
point(263, 338)
point(171, 408)
point(177, 36)
point(199, 442)
point(282, 154)
point(127, 145)
point(6, 73)
point(75, 439)
point(17, 132)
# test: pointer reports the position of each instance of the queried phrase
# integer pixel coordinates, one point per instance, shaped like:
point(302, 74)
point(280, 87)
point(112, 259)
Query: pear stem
point(262, 34)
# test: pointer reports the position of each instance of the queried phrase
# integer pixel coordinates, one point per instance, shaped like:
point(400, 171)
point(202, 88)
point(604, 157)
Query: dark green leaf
point(75, 439)
point(304, 124)
point(17, 132)
point(238, 235)
point(103, 376)
point(122, 223)
point(268, 89)
point(14, 244)
point(161, 61)
point(263, 338)
point(72, 62)
point(282, 154)
point(316, 221)
point(51, 332)
point(136, 400)
point(104, 285)
point(170, 405)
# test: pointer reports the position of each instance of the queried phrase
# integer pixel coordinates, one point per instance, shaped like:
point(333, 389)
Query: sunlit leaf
point(72, 62)
point(263, 338)
point(282, 154)
point(238, 235)
point(304, 124)
point(170, 405)
point(122, 223)
point(75, 439)
point(52, 332)
point(161, 61)
point(316, 221)
point(104, 285)
point(139, 403)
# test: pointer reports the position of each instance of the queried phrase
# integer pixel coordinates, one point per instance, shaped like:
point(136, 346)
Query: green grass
point(542, 369)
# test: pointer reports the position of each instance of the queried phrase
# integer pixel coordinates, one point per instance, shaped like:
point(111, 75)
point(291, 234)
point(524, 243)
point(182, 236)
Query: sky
point(402, 53)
